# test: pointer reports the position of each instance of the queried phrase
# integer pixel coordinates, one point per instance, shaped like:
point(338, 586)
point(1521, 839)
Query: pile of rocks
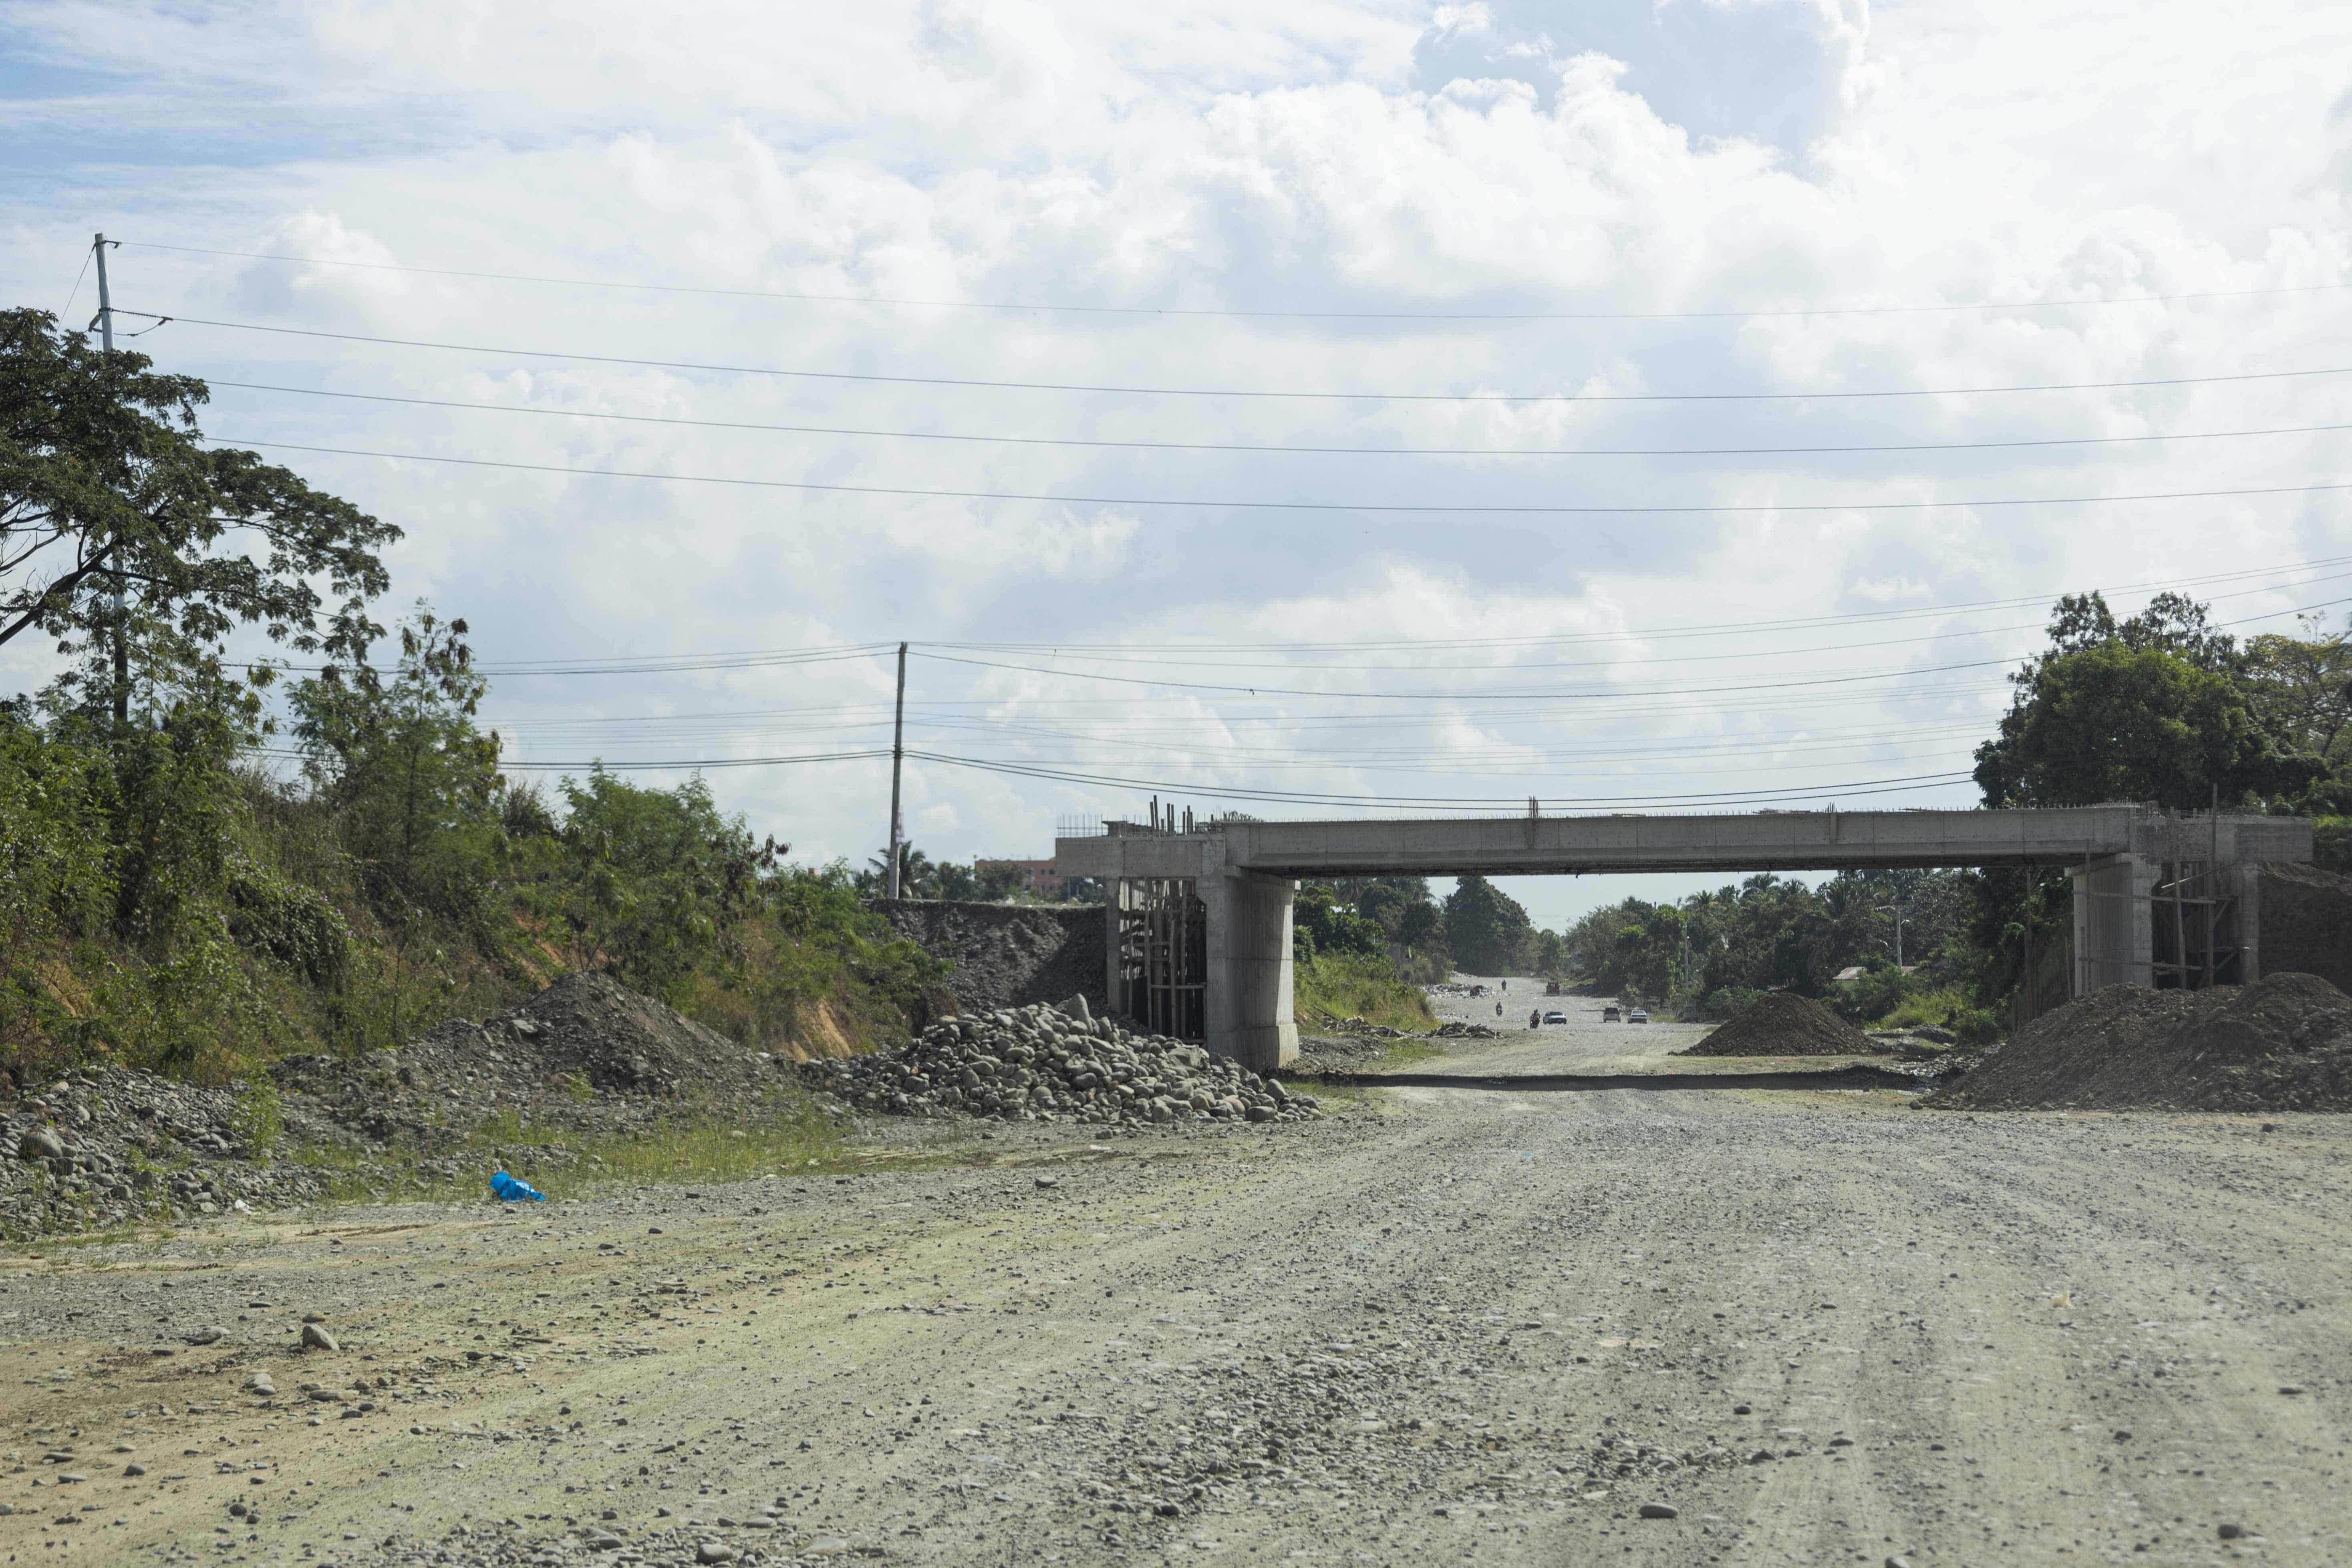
point(1055, 1064)
point(107, 1146)
point(1332, 1022)
point(1619, 1458)
point(1455, 1029)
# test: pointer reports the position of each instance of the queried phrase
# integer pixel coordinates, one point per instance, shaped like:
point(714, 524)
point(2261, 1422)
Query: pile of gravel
point(2284, 1043)
point(1053, 1064)
point(1778, 1023)
point(110, 1146)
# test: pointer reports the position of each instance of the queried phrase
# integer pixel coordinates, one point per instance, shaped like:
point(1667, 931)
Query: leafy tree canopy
point(107, 486)
point(2156, 708)
point(1487, 930)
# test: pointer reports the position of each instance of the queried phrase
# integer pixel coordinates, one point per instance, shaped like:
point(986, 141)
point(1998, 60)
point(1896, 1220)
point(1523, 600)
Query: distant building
point(1037, 875)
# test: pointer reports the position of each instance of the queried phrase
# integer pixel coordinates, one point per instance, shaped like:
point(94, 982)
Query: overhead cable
point(723, 369)
point(1262, 448)
point(1577, 694)
point(1196, 310)
point(1219, 504)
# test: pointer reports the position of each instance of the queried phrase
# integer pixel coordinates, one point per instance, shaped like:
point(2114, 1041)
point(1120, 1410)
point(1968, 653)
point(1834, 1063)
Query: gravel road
point(1441, 1326)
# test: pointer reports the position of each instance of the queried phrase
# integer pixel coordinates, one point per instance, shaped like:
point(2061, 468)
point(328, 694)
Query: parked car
point(1608, 1015)
point(1637, 1016)
point(1554, 1016)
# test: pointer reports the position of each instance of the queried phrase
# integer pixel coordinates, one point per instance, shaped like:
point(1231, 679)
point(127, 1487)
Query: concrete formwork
point(1246, 872)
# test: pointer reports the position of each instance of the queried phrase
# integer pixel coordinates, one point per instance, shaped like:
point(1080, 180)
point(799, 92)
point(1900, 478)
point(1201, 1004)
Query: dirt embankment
point(587, 1054)
point(1007, 955)
point(107, 1146)
point(1778, 1024)
point(2306, 923)
point(2284, 1043)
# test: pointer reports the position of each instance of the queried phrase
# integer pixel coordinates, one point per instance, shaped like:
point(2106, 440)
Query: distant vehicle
point(1552, 987)
point(1637, 1016)
point(1554, 1016)
point(1608, 1015)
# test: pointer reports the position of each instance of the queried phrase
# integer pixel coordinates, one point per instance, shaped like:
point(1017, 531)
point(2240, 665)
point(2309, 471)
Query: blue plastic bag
point(511, 1190)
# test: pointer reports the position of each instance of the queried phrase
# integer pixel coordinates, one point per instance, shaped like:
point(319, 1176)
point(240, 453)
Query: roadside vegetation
point(208, 863)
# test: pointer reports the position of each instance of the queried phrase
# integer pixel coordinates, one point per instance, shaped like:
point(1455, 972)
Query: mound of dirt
point(2306, 923)
point(2284, 1043)
point(1778, 1024)
point(587, 1053)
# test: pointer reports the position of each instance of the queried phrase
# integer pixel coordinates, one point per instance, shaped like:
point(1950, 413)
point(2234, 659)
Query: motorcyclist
point(1535, 1019)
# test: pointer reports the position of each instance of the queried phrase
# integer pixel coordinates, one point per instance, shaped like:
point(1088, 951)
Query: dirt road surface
point(1442, 1326)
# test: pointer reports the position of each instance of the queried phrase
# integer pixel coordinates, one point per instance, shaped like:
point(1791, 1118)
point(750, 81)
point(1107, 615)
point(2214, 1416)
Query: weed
point(260, 1119)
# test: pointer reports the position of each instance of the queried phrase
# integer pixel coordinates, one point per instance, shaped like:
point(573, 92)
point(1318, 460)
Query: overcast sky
point(1502, 231)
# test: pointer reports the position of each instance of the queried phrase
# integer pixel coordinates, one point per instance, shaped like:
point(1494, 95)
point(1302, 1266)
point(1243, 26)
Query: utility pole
point(898, 759)
point(122, 629)
point(1897, 910)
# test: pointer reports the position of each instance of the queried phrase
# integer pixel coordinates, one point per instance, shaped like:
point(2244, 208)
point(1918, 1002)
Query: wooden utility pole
point(898, 760)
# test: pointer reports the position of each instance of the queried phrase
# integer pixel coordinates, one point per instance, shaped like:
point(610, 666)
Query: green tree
point(402, 762)
point(665, 878)
point(2155, 708)
point(107, 488)
point(1333, 928)
point(2112, 723)
point(1487, 930)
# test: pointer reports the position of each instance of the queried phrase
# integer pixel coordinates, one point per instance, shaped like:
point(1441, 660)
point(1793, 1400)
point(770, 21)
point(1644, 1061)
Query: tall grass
point(1344, 985)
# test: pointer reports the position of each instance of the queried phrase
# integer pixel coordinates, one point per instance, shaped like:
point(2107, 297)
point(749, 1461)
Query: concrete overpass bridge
point(1200, 915)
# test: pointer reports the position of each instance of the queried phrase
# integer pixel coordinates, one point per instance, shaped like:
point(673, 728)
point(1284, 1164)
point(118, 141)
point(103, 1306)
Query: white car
point(1637, 1016)
point(1554, 1016)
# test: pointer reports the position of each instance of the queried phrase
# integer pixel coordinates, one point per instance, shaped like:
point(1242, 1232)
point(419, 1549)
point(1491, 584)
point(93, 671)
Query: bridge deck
point(1760, 841)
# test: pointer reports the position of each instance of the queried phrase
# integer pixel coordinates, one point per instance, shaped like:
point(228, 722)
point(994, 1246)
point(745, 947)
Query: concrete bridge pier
point(2115, 923)
point(1249, 973)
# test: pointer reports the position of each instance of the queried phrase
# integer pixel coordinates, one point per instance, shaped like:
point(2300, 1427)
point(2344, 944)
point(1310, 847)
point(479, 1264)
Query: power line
point(761, 658)
point(1166, 662)
point(1252, 392)
point(1661, 633)
point(1179, 311)
point(1463, 508)
point(1294, 797)
point(1872, 786)
point(1570, 695)
point(1097, 443)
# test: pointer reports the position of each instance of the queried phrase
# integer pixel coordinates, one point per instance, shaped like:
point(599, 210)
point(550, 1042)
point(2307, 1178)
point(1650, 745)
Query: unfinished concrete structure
point(1199, 937)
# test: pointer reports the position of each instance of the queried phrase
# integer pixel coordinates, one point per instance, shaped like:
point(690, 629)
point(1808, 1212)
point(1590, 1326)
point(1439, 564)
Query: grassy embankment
point(1329, 987)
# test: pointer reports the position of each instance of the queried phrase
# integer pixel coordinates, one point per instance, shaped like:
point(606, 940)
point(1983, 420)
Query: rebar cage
point(1163, 955)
